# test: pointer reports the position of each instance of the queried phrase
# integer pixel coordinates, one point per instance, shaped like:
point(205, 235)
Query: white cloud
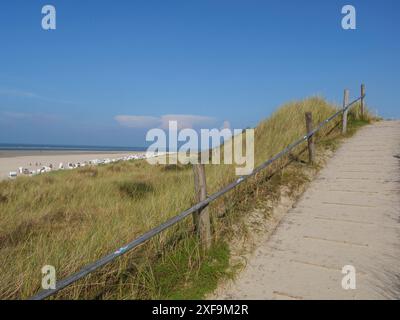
point(137, 121)
point(18, 93)
point(18, 116)
point(186, 121)
point(183, 120)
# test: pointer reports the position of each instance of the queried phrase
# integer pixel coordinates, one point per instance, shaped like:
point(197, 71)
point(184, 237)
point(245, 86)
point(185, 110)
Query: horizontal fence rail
point(174, 220)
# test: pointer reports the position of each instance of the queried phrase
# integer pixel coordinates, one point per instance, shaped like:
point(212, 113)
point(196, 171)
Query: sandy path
point(8, 164)
point(350, 215)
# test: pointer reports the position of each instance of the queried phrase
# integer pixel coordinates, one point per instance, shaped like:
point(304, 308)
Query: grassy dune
point(71, 218)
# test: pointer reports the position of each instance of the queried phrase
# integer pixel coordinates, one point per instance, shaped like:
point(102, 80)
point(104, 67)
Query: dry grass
point(71, 218)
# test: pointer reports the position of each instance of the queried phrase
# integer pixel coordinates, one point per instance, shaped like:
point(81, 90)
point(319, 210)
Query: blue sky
point(113, 68)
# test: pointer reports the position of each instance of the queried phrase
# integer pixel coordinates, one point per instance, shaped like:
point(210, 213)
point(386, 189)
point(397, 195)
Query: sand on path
point(349, 216)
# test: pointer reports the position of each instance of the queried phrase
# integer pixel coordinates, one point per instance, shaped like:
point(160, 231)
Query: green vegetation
point(184, 275)
point(71, 218)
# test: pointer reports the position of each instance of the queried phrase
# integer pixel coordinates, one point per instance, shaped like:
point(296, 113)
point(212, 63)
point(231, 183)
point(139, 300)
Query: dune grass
point(71, 218)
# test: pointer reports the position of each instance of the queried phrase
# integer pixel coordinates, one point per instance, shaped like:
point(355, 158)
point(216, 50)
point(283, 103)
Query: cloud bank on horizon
point(148, 122)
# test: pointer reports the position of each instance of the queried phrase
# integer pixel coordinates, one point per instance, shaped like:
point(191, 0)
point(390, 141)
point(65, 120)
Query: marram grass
point(71, 218)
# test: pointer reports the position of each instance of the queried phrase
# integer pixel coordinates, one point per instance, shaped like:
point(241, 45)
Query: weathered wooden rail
point(200, 211)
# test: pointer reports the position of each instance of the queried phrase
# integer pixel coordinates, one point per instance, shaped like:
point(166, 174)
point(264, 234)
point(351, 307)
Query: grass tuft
point(175, 167)
point(3, 198)
point(135, 190)
point(89, 172)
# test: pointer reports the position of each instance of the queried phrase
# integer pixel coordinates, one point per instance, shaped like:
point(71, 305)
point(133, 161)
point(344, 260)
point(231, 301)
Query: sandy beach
point(35, 159)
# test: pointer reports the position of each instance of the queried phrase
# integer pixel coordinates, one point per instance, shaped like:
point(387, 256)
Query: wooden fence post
point(345, 111)
point(201, 218)
point(311, 147)
point(362, 100)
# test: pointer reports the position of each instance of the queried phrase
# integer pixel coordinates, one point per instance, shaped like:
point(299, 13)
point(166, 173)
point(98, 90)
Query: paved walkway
point(350, 215)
